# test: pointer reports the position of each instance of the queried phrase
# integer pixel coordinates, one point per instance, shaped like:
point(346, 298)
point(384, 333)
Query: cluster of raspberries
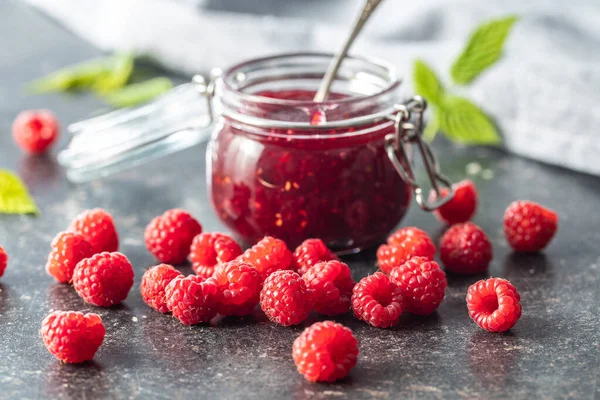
point(287, 285)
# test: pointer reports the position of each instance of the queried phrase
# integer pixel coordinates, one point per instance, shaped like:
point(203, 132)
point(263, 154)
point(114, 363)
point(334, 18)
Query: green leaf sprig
point(455, 116)
point(109, 77)
point(14, 196)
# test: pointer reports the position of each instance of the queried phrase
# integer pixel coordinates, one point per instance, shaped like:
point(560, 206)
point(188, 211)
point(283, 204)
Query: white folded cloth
point(544, 94)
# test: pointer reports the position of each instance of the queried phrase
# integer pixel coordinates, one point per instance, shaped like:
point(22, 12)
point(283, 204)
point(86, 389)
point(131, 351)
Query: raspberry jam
point(335, 184)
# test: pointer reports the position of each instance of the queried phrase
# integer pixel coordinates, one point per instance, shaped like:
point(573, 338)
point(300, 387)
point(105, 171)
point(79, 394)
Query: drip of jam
point(342, 189)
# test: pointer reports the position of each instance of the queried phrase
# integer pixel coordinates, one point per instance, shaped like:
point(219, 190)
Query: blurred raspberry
point(3, 261)
point(390, 256)
point(406, 233)
point(35, 131)
point(529, 226)
point(462, 206)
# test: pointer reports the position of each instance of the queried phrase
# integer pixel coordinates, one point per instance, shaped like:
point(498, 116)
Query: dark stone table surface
point(551, 353)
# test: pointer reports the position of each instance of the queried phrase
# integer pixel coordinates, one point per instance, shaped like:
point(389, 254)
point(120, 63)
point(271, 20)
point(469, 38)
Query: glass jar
point(282, 165)
point(278, 163)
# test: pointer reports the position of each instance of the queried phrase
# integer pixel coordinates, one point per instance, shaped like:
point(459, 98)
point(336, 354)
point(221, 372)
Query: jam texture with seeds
point(303, 183)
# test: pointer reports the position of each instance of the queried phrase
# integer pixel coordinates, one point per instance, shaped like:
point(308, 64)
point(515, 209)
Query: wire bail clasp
point(408, 123)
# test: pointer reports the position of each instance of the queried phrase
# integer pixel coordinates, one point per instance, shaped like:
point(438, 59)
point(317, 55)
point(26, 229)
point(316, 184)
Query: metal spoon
point(325, 85)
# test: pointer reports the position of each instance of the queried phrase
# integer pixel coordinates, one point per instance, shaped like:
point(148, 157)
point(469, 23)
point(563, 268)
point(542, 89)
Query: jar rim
point(395, 81)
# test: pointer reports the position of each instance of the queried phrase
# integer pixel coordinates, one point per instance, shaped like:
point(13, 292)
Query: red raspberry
point(239, 288)
point(169, 236)
point(390, 256)
point(268, 256)
point(423, 285)
point(103, 279)
point(67, 250)
point(529, 226)
point(210, 249)
point(325, 351)
point(494, 304)
point(406, 233)
point(35, 131)
point(154, 282)
point(462, 206)
point(98, 229)
point(465, 249)
point(192, 299)
point(332, 285)
point(377, 300)
point(3, 261)
point(285, 298)
point(310, 252)
point(72, 337)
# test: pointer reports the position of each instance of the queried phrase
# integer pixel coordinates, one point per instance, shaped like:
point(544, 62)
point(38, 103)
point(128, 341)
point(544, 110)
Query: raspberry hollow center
point(490, 304)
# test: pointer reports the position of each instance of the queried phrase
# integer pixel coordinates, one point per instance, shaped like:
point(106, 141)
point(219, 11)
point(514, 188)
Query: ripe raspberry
point(285, 299)
point(406, 233)
point(67, 250)
point(377, 301)
point(529, 226)
point(462, 206)
point(103, 279)
point(310, 252)
point(169, 236)
point(239, 288)
point(494, 304)
point(3, 261)
point(465, 249)
point(72, 337)
point(325, 351)
point(210, 249)
point(423, 285)
point(390, 256)
point(192, 299)
point(35, 131)
point(98, 229)
point(268, 256)
point(154, 282)
point(332, 285)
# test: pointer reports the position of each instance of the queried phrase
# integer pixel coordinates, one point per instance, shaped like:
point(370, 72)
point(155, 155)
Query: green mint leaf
point(107, 72)
point(483, 49)
point(14, 197)
point(432, 128)
point(462, 121)
point(137, 93)
point(427, 84)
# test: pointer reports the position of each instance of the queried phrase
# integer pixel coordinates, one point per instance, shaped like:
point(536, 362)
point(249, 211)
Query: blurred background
point(543, 94)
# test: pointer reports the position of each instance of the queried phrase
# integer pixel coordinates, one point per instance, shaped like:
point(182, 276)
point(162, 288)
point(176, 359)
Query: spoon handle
point(366, 12)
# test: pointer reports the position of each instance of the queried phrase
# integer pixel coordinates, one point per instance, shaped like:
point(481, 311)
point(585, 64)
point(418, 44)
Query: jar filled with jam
point(279, 163)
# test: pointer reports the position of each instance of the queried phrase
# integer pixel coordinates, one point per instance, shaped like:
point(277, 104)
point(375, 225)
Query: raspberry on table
point(239, 285)
point(72, 337)
point(310, 252)
point(35, 131)
point(285, 299)
point(423, 285)
point(3, 261)
point(268, 255)
point(465, 249)
point(154, 282)
point(325, 352)
point(98, 229)
point(211, 249)
point(377, 300)
point(529, 226)
point(393, 255)
point(103, 279)
point(405, 233)
point(494, 304)
point(192, 299)
point(67, 250)
point(169, 236)
point(332, 286)
point(462, 206)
